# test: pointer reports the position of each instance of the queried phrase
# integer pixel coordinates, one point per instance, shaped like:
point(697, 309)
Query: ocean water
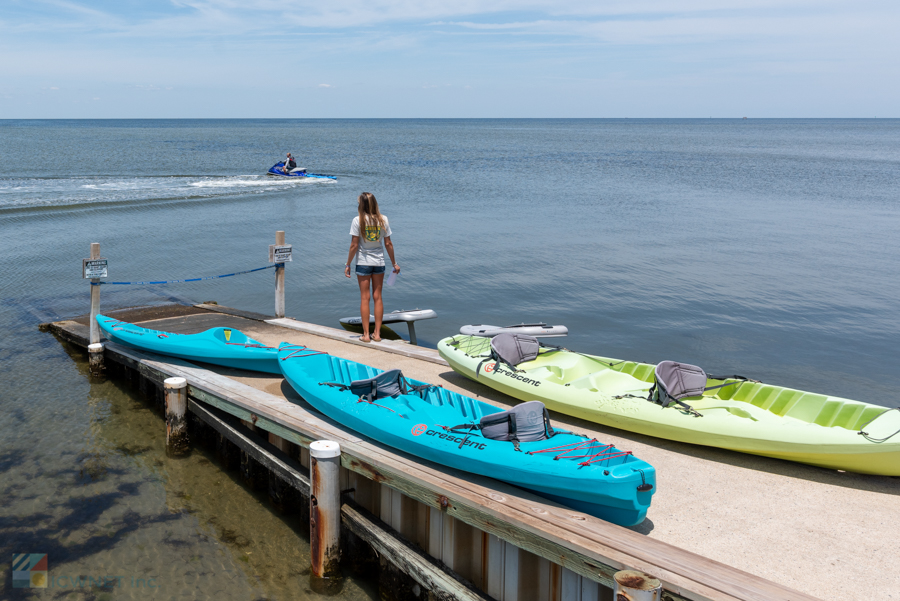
point(767, 248)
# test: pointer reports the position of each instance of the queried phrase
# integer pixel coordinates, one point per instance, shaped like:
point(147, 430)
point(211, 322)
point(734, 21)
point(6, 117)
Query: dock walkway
point(782, 525)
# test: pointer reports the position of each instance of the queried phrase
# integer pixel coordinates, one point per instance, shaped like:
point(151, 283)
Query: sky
point(433, 59)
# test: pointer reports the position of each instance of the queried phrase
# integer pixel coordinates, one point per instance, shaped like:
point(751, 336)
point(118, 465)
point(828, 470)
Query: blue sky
point(468, 58)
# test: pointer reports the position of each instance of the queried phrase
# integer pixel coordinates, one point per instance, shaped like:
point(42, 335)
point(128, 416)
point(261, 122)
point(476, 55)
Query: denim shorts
point(369, 269)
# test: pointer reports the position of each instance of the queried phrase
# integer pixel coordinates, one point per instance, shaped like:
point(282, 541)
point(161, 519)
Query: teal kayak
point(220, 346)
point(441, 426)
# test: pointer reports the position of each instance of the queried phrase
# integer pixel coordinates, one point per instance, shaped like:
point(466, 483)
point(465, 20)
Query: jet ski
point(278, 169)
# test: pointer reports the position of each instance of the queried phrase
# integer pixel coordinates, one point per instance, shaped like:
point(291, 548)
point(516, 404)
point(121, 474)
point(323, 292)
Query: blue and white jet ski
point(278, 169)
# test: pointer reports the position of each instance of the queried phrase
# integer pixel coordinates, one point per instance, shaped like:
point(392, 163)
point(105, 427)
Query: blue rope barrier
point(211, 277)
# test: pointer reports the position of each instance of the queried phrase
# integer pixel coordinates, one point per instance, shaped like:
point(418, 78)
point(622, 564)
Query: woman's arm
point(354, 246)
point(389, 247)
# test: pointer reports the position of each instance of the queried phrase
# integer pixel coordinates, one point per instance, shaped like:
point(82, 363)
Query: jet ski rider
point(289, 164)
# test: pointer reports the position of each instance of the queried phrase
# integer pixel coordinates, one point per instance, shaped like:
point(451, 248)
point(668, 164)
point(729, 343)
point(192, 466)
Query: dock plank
point(390, 346)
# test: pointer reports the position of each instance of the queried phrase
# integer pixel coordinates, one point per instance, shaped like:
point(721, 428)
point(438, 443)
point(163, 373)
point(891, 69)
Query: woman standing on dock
point(368, 230)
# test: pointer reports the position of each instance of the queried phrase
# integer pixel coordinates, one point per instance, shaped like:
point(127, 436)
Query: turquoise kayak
point(439, 425)
point(219, 346)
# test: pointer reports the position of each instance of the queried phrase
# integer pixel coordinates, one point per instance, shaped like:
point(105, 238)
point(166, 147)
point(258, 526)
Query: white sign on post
point(280, 253)
point(94, 268)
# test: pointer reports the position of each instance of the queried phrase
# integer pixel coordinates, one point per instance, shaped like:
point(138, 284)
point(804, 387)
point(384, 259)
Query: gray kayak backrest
point(526, 422)
point(514, 349)
point(678, 380)
point(390, 383)
point(386, 384)
point(675, 381)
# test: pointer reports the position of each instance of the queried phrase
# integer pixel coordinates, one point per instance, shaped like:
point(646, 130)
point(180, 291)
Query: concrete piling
point(325, 516)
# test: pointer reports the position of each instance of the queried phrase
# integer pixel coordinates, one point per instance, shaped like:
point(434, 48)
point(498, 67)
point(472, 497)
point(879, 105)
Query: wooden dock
point(453, 534)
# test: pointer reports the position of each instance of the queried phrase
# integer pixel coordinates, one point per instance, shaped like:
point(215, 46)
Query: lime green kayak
point(745, 416)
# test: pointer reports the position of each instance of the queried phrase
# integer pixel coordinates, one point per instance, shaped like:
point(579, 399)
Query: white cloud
point(269, 18)
point(215, 50)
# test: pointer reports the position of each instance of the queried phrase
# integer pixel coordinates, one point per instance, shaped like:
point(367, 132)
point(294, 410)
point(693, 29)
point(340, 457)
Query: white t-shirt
point(371, 249)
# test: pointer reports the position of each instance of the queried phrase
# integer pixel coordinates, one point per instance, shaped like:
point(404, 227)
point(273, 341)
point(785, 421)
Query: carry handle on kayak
point(866, 434)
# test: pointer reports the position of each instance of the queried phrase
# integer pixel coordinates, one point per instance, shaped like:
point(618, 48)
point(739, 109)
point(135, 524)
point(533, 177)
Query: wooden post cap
point(96, 347)
point(174, 383)
point(324, 449)
point(636, 580)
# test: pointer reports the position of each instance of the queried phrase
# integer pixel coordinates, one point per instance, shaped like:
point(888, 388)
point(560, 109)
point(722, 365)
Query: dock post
point(176, 424)
point(325, 516)
point(95, 358)
point(632, 585)
point(279, 279)
point(95, 297)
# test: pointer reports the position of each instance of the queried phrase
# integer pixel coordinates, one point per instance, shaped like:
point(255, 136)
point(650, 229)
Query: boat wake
point(50, 192)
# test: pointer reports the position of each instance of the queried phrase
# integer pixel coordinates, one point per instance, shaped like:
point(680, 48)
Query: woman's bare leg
point(364, 283)
point(377, 281)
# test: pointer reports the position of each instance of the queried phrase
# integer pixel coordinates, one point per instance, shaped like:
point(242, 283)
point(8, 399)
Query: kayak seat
point(387, 384)
point(610, 380)
point(581, 367)
point(527, 422)
point(344, 372)
point(548, 373)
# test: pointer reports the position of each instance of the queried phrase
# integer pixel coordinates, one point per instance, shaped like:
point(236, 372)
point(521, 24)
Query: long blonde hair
point(368, 212)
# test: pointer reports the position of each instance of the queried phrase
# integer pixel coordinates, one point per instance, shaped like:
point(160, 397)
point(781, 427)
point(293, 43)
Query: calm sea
point(767, 248)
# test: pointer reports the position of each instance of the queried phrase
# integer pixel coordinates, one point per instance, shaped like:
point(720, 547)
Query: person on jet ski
point(289, 164)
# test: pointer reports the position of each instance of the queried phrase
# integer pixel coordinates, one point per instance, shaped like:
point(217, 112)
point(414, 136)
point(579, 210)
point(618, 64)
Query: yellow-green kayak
point(745, 416)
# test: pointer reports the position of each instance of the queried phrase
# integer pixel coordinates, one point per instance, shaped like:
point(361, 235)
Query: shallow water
point(765, 248)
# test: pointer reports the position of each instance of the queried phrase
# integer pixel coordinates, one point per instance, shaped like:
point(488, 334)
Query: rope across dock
point(210, 277)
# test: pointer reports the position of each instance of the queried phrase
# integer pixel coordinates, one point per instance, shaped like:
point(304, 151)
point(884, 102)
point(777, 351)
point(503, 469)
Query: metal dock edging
point(407, 557)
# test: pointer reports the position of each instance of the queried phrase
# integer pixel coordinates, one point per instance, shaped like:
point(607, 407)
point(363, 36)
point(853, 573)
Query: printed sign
point(94, 268)
point(280, 253)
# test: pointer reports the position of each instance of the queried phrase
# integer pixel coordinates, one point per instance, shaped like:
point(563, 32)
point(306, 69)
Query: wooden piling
point(632, 585)
point(95, 358)
point(95, 297)
point(279, 279)
point(325, 516)
point(176, 424)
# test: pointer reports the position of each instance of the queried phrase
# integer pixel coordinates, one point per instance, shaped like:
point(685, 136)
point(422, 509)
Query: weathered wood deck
point(516, 525)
